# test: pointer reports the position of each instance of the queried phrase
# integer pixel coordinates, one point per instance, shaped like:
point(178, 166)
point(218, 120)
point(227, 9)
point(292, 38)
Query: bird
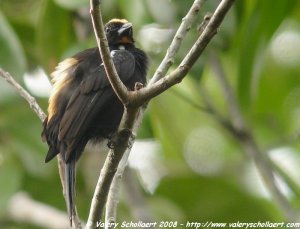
point(83, 106)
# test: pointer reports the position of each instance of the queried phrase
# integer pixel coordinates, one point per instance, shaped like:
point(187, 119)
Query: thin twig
point(232, 129)
point(294, 187)
point(194, 104)
point(184, 27)
point(235, 114)
point(135, 197)
point(180, 72)
point(23, 209)
point(224, 122)
point(30, 99)
point(246, 138)
point(121, 142)
point(113, 196)
point(41, 114)
point(137, 98)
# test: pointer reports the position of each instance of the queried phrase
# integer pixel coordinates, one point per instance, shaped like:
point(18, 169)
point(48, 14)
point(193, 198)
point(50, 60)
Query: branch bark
point(133, 100)
point(135, 197)
point(121, 142)
point(138, 98)
point(23, 209)
point(22, 92)
point(111, 72)
point(183, 29)
point(156, 88)
point(113, 195)
point(168, 60)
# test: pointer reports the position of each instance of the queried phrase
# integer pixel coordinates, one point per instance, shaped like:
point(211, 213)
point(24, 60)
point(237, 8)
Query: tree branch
point(185, 26)
point(22, 92)
point(145, 94)
point(246, 138)
point(41, 114)
point(23, 209)
point(136, 199)
point(138, 98)
point(111, 164)
point(234, 111)
point(112, 201)
point(113, 77)
point(135, 99)
point(113, 196)
point(121, 142)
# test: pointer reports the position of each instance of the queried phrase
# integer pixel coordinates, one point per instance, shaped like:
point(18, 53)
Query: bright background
point(186, 167)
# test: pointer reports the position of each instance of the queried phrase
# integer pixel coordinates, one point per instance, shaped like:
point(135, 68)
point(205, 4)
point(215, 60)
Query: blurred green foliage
point(205, 179)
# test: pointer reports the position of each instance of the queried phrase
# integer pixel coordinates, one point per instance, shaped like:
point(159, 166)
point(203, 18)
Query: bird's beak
point(126, 27)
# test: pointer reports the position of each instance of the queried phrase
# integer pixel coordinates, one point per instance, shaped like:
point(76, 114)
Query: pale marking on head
point(118, 20)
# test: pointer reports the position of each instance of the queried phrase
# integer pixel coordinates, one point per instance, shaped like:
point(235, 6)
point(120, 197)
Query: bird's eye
point(107, 29)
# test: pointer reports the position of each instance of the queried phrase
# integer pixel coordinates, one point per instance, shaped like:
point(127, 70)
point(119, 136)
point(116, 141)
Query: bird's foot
point(138, 86)
point(123, 138)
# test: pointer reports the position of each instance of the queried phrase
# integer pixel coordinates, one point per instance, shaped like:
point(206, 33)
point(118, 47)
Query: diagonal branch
point(234, 111)
point(135, 197)
point(197, 49)
point(22, 92)
point(42, 116)
point(113, 196)
point(112, 201)
point(177, 40)
point(137, 98)
point(113, 77)
point(247, 140)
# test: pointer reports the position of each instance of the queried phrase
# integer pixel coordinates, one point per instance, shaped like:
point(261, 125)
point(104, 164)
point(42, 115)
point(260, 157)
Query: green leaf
point(12, 57)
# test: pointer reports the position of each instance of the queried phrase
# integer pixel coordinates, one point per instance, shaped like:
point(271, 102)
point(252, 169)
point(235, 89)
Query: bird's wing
point(92, 94)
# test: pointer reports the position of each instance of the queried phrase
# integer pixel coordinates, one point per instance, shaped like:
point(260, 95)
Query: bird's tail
point(70, 174)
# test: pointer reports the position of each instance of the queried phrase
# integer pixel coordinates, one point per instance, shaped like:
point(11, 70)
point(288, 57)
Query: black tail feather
point(70, 174)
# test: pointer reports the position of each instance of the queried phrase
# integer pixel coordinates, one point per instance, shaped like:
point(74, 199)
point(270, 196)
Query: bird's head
point(119, 32)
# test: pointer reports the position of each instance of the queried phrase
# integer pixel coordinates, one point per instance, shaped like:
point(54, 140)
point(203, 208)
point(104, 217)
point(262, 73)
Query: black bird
point(83, 105)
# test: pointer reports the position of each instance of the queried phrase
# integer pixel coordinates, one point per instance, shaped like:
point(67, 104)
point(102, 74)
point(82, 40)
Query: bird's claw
point(122, 138)
point(138, 86)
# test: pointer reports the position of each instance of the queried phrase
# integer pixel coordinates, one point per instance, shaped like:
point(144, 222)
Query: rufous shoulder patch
point(60, 78)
